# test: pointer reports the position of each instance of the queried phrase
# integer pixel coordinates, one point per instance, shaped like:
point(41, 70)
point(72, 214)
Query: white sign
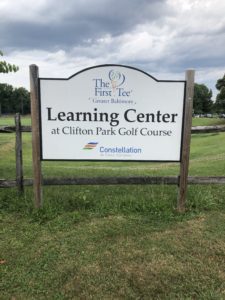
point(111, 112)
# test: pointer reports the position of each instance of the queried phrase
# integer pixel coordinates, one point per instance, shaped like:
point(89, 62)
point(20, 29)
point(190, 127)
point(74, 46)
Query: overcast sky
point(163, 38)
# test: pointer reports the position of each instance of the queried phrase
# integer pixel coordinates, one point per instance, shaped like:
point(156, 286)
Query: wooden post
point(185, 154)
point(34, 92)
point(19, 157)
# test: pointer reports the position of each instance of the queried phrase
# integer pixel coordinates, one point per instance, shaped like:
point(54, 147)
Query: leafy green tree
point(6, 91)
point(202, 102)
point(21, 100)
point(220, 98)
point(14, 99)
point(6, 67)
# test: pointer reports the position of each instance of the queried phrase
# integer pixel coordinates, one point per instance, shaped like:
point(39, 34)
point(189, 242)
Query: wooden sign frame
point(36, 139)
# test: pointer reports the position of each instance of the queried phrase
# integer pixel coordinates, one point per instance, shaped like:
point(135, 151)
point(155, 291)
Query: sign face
point(111, 112)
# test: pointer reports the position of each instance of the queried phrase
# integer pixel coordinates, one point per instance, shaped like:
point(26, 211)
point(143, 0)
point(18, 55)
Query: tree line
point(14, 100)
point(203, 103)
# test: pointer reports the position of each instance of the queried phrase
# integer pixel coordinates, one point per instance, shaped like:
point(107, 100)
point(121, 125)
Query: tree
point(21, 100)
point(202, 102)
point(7, 67)
point(220, 98)
point(6, 91)
point(14, 99)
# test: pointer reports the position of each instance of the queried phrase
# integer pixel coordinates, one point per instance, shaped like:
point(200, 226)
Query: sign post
point(111, 113)
point(19, 156)
point(184, 164)
point(34, 90)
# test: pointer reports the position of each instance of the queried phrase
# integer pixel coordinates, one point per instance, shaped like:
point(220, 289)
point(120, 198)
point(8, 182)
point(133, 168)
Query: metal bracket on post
point(185, 154)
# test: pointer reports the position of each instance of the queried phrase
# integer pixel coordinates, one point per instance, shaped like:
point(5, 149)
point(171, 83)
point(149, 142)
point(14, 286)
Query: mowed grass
point(10, 120)
point(114, 242)
point(207, 121)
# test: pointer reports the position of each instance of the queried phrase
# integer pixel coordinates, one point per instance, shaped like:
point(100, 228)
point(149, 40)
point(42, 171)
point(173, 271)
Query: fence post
point(19, 156)
point(185, 154)
point(36, 151)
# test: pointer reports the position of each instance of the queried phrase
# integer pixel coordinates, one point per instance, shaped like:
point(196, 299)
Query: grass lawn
point(113, 242)
point(9, 120)
point(207, 121)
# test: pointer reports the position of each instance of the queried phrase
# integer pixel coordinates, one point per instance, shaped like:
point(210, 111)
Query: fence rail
point(167, 180)
point(12, 129)
point(20, 182)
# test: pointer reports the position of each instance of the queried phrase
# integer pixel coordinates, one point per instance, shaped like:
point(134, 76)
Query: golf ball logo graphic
point(116, 78)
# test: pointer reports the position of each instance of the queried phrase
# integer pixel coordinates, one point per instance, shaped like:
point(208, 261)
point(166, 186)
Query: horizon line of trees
point(203, 103)
point(13, 100)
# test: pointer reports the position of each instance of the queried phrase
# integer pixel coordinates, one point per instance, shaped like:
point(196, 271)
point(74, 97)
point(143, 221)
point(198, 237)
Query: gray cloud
point(158, 36)
point(63, 24)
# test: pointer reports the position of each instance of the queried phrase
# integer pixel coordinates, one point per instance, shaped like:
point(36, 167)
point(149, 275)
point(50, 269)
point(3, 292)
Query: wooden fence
point(20, 182)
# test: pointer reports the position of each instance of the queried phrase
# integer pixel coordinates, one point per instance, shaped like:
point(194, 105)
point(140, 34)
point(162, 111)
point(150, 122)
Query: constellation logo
point(90, 146)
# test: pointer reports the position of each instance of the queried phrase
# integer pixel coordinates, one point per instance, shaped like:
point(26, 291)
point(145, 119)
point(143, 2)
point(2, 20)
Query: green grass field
point(114, 242)
point(9, 120)
point(207, 121)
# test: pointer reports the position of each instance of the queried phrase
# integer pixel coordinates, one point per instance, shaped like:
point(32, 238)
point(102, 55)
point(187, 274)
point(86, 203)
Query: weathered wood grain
point(19, 156)
point(185, 153)
point(34, 92)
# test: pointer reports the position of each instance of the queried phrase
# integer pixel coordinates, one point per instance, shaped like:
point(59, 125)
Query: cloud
point(48, 24)
point(163, 37)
